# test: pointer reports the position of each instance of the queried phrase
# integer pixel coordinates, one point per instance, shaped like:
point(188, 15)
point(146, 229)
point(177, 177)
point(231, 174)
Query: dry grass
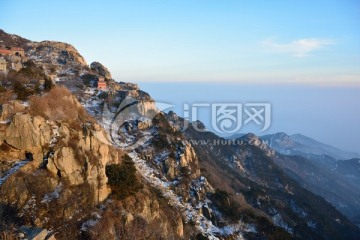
point(58, 105)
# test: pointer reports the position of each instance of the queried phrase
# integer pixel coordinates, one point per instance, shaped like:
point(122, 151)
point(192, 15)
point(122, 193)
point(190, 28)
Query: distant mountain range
point(322, 169)
point(298, 144)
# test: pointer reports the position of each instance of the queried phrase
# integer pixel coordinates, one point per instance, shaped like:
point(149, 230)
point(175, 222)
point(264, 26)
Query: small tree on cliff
point(122, 178)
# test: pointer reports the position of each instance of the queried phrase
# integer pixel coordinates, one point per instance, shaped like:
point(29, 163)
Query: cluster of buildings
point(11, 58)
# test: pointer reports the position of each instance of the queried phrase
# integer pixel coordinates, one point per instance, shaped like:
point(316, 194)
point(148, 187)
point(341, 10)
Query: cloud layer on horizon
point(298, 48)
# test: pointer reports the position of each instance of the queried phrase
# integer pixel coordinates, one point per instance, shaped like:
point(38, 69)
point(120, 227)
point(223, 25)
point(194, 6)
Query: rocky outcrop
point(9, 109)
point(25, 133)
point(53, 52)
point(65, 164)
point(67, 173)
point(100, 69)
point(170, 168)
point(75, 155)
point(142, 216)
point(188, 156)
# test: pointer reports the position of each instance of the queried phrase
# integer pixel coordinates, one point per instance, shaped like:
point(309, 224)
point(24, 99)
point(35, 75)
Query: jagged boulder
point(100, 69)
point(22, 133)
point(189, 158)
point(26, 133)
point(65, 164)
point(170, 168)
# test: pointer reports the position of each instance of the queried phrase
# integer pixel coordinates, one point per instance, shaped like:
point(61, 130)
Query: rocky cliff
point(52, 52)
point(54, 157)
point(61, 187)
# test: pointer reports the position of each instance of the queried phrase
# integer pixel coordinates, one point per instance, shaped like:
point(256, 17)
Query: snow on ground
point(53, 195)
point(55, 135)
point(188, 211)
point(88, 224)
point(278, 221)
point(12, 170)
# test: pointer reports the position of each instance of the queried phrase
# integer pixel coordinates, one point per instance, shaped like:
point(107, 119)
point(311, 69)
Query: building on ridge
point(102, 84)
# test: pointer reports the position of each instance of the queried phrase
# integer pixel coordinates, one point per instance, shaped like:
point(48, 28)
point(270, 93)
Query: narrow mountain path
point(204, 225)
point(13, 170)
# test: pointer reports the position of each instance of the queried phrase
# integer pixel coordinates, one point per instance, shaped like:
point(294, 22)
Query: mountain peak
point(8, 39)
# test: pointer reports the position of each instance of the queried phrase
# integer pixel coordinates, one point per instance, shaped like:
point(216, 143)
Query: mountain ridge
point(300, 144)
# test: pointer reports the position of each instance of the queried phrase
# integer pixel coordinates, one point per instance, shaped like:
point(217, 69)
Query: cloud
point(298, 48)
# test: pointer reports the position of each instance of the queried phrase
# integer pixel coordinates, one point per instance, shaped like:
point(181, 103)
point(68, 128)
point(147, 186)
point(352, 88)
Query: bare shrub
point(8, 234)
point(60, 105)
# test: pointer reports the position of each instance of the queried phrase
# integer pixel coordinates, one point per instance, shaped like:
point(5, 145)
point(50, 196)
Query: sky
point(284, 52)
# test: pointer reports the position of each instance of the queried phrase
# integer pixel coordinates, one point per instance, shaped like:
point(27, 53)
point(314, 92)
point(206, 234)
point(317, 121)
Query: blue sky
point(203, 40)
point(301, 56)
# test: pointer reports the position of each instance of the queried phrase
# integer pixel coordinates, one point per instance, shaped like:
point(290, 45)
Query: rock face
point(100, 69)
point(143, 217)
point(25, 133)
point(65, 164)
point(9, 109)
point(189, 157)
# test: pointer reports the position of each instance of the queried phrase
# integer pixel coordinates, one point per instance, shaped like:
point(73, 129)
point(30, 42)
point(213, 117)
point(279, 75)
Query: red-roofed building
point(4, 51)
point(16, 51)
point(101, 83)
